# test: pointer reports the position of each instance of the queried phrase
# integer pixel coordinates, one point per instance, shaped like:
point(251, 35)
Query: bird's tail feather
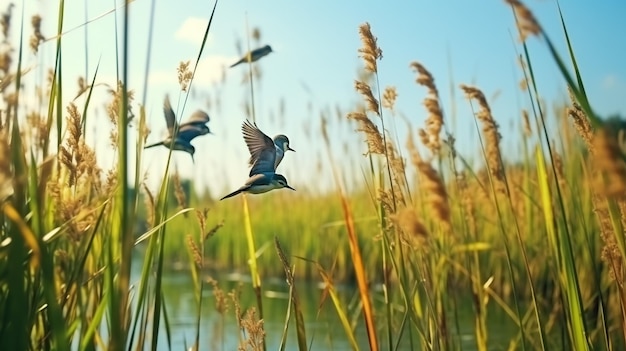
point(232, 194)
point(153, 145)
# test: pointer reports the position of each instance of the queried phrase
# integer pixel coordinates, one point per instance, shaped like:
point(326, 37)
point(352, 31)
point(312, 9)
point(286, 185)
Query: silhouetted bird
point(255, 55)
point(193, 127)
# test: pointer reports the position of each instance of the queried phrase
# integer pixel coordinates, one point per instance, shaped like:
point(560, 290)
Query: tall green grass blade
point(579, 79)
point(561, 250)
point(93, 325)
point(343, 318)
point(295, 300)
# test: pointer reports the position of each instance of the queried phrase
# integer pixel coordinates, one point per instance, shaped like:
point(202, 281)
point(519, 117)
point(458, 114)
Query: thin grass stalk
point(563, 251)
point(473, 264)
point(505, 240)
point(341, 311)
point(283, 337)
point(357, 259)
point(58, 75)
point(17, 295)
point(119, 309)
point(293, 294)
point(252, 259)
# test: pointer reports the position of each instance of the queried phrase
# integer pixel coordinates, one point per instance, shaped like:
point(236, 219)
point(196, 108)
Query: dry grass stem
point(370, 101)
point(528, 131)
point(430, 137)
point(150, 206)
point(196, 253)
point(609, 160)
point(581, 122)
point(373, 137)
point(490, 134)
point(179, 192)
point(527, 25)
point(213, 230)
point(398, 169)
point(370, 52)
point(36, 38)
point(389, 98)
point(414, 230)
point(184, 75)
point(432, 185)
point(254, 330)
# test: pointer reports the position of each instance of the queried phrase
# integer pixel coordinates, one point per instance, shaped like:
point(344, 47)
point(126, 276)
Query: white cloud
point(610, 81)
point(210, 70)
point(192, 31)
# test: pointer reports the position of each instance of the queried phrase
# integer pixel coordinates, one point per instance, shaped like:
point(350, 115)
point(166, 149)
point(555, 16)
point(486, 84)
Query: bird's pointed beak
point(290, 149)
point(288, 187)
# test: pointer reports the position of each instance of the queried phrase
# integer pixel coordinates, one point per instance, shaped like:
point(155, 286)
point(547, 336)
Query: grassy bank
point(539, 236)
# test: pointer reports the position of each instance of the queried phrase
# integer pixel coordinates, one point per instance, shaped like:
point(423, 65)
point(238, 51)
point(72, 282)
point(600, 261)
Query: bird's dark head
point(282, 142)
point(282, 181)
point(268, 48)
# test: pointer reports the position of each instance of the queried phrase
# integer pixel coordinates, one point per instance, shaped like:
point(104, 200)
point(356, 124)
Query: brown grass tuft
point(610, 251)
point(431, 184)
point(179, 192)
point(196, 253)
point(581, 122)
point(373, 137)
point(398, 169)
point(5, 21)
point(253, 328)
point(528, 131)
point(113, 109)
point(36, 38)
point(527, 25)
point(370, 101)
point(430, 137)
point(212, 231)
point(150, 206)
point(609, 159)
point(370, 52)
point(389, 97)
point(414, 230)
point(184, 75)
point(490, 134)
point(467, 201)
point(221, 302)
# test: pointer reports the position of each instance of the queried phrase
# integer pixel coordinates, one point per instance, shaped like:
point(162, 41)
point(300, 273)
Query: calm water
point(323, 329)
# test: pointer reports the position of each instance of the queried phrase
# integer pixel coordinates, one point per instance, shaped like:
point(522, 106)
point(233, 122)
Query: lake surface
point(323, 328)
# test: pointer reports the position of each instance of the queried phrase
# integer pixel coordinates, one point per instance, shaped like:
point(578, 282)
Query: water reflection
point(323, 328)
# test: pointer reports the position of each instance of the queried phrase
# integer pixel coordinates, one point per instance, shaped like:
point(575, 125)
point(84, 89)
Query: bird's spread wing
point(189, 132)
point(261, 147)
point(257, 179)
point(170, 117)
point(198, 117)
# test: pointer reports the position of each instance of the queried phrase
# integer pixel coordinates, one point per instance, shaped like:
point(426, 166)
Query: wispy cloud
point(210, 70)
point(192, 31)
point(610, 82)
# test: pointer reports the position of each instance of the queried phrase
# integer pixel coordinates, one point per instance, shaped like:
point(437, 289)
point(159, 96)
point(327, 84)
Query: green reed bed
point(538, 243)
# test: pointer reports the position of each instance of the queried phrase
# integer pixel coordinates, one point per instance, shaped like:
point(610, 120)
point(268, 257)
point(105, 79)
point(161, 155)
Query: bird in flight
point(254, 55)
point(265, 155)
point(261, 148)
point(193, 127)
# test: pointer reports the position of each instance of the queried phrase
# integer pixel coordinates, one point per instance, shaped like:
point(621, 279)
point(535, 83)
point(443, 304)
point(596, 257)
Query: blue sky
point(316, 46)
